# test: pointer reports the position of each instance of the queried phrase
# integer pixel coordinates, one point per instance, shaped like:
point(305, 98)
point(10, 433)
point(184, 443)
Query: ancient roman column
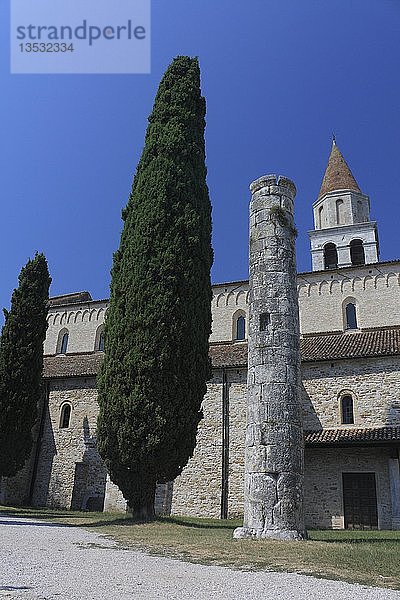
point(274, 467)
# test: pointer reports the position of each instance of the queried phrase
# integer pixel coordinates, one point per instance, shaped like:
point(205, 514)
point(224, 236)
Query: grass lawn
point(367, 557)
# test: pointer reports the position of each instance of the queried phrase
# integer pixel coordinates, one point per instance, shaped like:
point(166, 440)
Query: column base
point(246, 533)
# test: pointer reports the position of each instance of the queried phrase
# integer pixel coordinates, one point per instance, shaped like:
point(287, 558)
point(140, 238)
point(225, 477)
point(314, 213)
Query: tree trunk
point(141, 506)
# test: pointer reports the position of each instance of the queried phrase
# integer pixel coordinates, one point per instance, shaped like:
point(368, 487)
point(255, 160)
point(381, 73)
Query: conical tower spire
point(338, 175)
point(343, 234)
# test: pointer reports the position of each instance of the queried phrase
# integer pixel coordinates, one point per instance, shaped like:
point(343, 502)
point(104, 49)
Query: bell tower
point(343, 234)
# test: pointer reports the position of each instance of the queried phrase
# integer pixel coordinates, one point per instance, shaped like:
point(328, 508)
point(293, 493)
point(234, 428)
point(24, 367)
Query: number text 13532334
point(46, 47)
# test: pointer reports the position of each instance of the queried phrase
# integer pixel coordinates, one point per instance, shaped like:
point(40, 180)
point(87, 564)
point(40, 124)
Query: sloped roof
point(228, 355)
point(357, 344)
point(338, 175)
point(84, 364)
point(314, 348)
point(342, 437)
point(73, 298)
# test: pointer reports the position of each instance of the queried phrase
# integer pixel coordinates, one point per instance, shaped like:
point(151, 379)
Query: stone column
point(274, 469)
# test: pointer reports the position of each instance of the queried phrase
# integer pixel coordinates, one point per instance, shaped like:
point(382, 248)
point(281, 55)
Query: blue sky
point(279, 77)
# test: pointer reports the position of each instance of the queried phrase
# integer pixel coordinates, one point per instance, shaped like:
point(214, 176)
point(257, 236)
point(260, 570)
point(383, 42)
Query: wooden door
point(359, 499)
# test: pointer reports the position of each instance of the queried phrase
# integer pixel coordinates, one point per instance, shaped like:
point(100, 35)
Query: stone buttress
point(274, 469)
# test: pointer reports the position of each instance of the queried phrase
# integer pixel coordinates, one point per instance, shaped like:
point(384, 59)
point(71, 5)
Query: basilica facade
point(350, 393)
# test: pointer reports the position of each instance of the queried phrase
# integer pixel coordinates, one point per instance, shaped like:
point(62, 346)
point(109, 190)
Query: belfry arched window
point(65, 416)
point(351, 316)
point(330, 256)
point(347, 409)
point(321, 217)
point(339, 212)
point(357, 254)
point(62, 343)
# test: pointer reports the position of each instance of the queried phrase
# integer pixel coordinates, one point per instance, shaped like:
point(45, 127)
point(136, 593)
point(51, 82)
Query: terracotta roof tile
point(376, 435)
point(337, 174)
point(228, 355)
point(73, 298)
point(357, 344)
point(314, 348)
point(72, 365)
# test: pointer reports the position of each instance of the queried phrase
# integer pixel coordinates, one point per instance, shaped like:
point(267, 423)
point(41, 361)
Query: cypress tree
point(156, 365)
point(21, 364)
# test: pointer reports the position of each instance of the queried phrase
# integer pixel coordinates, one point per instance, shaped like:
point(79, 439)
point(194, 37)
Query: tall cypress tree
point(21, 364)
point(156, 365)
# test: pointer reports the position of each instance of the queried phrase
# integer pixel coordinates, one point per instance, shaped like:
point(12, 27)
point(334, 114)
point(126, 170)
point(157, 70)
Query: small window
point(330, 256)
point(351, 316)
point(99, 342)
point(321, 217)
point(357, 254)
point(339, 212)
point(265, 320)
point(347, 410)
point(62, 344)
point(241, 328)
point(65, 416)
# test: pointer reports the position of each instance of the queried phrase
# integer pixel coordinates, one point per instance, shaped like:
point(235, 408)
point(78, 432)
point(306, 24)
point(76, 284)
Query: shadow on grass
point(366, 540)
point(124, 521)
point(197, 524)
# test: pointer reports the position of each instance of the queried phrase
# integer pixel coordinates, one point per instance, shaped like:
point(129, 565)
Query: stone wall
point(82, 322)
point(71, 473)
point(322, 295)
point(198, 490)
point(375, 289)
point(228, 299)
point(374, 384)
point(204, 470)
point(237, 381)
point(324, 489)
point(14, 491)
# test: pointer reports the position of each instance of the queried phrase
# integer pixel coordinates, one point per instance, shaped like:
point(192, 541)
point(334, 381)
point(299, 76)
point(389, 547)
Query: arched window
point(330, 256)
point(241, 328)
point(62, 343)
point(65, 416)
point(339, 212)
point(347, 409)
point(360, 211)
point(99, 342)
point(321, 217)
point(351, 316)
point(357, 254)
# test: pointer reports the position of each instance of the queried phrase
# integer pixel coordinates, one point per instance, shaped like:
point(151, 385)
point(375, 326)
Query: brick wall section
point(198, 490)
point(203, 472)
point(375, 288)
point(58, 484)
point(373, 383)
point(323, 487)
point(237, 434)
point(227, 300)
point(80, 320)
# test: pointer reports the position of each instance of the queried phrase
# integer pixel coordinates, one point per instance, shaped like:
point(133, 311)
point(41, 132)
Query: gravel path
point(39, 560)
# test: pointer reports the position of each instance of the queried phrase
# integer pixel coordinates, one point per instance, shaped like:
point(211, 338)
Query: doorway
point(359, 500)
